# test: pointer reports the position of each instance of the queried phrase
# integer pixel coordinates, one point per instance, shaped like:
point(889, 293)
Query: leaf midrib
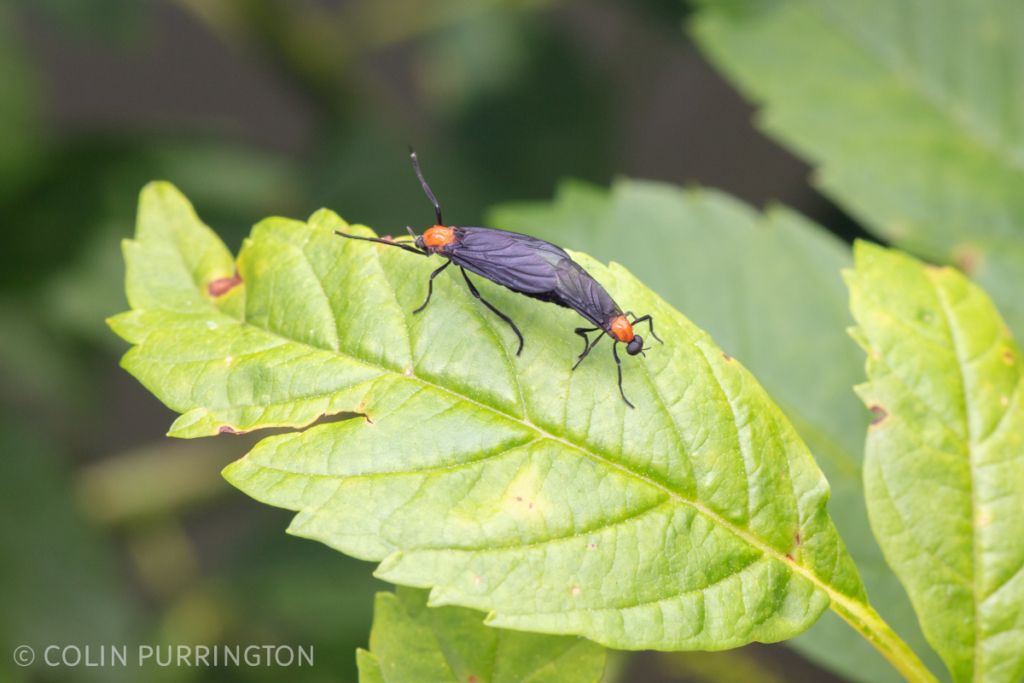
point(441, 645)
point(970, 445)
point(745, 535)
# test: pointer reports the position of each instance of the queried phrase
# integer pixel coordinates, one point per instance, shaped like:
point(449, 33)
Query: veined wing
point(577, 289)
point(520, 262)
point(533, 267)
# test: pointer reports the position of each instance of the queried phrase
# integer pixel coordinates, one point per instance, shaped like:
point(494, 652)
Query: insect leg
point(590, 346)
point(618, 365)
point(485, 302)
point(430, 286)
point(650, 324)
point(582, 331)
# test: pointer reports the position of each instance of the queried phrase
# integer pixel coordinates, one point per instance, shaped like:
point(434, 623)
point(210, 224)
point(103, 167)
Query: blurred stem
point(867, 622)
point(116, 490)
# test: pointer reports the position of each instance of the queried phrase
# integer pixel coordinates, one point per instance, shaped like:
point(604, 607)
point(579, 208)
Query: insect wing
point(520, 262)
point(578, 290)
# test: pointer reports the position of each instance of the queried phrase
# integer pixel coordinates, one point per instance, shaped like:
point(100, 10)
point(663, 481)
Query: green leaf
point(508, 484)
point(912, 112)
point(369, 668)
point(944, 468)
point(412, 642)
point(767, 287)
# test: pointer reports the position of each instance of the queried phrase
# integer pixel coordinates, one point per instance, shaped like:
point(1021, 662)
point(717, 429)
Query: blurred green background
point(111, 533)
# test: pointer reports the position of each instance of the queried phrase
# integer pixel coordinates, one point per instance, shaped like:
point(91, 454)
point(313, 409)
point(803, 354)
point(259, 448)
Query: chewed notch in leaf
point(505, 483)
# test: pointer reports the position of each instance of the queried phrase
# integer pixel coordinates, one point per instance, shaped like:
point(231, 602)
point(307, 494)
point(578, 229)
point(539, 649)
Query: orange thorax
point(621, 329)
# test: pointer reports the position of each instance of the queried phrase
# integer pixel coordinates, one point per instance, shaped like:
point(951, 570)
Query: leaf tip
point(120, 324)
point(233, 473)
point(864, 251)
point(192, 424)
point(388, 565)
point(156, 188)
point(326, 219)
point(440, 596)
point(157, 192)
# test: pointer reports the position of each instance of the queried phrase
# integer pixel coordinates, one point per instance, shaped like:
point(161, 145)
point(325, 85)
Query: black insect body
point(529, 266)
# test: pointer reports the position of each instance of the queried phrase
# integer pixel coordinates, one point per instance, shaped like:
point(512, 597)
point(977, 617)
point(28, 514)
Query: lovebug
point(526, 265)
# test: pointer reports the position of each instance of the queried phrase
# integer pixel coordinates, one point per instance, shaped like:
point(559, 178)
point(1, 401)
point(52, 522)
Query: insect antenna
point(378, 240)
point(426, 188)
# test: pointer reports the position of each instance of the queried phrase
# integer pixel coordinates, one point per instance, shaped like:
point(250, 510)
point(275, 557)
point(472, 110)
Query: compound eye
point(635, 346)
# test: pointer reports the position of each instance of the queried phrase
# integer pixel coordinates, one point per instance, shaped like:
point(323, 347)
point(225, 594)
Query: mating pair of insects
point(528, 266)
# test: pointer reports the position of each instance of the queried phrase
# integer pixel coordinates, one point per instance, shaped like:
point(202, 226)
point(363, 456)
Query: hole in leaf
point(880, 414)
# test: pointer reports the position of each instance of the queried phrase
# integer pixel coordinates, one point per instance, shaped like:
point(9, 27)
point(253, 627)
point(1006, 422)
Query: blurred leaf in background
point(912, 112)
point(515, 138)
